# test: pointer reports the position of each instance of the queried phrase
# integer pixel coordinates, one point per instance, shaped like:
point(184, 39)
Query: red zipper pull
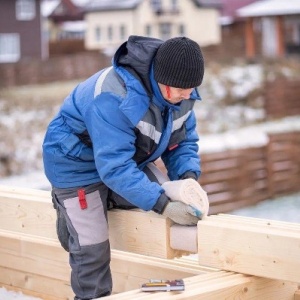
point(82, 199)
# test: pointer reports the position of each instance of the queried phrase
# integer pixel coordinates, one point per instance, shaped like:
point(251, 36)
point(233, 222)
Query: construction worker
point(99, 149)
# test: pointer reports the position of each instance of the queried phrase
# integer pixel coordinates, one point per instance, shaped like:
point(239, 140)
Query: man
point(99, 150)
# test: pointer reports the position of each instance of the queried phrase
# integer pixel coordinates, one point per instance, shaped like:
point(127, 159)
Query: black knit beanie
point(179, 63)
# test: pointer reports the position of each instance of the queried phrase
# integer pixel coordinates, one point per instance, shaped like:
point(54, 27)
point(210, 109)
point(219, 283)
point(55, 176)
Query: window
point(174, 5)
point(156, 5)
point(122, 32)
point(98, 34)
point(110, 33)
point(25, 10)
point(148, 30)
point(165, 31)
point(9, 47)
point(181, 30)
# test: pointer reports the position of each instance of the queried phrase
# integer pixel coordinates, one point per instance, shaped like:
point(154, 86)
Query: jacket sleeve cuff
point(189, 174)
point(161, 204)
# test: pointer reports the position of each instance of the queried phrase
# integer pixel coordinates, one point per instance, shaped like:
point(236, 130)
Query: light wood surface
point(252, 246)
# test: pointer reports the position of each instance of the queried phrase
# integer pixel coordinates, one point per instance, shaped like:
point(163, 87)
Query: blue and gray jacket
point(116, 122)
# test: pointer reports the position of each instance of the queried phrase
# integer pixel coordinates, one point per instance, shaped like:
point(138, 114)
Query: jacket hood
point(136, 56)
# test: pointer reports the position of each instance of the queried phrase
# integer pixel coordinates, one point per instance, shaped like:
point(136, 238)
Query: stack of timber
point(238, 257)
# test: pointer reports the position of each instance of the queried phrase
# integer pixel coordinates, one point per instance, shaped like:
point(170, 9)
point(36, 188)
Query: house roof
point(81, 2)
point(229, 8)
point(106, 5)
point(270, 8)
point(208, 3)
point(47, 7)
point(66, 10)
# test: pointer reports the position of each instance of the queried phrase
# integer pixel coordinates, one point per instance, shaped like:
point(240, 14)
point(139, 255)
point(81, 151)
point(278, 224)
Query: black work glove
point(189, 174)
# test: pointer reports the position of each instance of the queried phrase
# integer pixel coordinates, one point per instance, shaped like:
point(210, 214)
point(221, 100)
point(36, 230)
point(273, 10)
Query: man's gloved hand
point(189, 192)
point(181, 213)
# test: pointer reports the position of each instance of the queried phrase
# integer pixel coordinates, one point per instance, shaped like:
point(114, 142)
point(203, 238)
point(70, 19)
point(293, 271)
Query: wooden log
point(251, 246)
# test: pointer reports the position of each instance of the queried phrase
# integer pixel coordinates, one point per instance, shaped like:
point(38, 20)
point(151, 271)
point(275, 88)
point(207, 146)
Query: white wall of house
point(200, 24)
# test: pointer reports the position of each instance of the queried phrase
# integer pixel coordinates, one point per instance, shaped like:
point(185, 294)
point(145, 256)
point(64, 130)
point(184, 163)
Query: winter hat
point(179, 63)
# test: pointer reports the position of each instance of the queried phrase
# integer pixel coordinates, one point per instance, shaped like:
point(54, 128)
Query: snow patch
point(10, 295)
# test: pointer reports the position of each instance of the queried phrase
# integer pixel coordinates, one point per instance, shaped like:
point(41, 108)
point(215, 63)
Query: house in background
point(232, 32)
point(280, 27)
point(20, 31)
point(228, 15)
point(63, 19)
point(109, 23)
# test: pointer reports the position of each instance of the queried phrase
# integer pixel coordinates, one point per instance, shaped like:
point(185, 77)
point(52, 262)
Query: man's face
point(174, 95)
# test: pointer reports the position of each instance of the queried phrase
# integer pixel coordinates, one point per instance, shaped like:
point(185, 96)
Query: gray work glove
point(180, 213)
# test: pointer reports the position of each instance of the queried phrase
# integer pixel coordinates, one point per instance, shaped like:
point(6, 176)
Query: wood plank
point(136, 294)
point(264, 251)
point(220, 286)
point(136, 231)
point(35, 285)
point(31, 293)
point(141, 232)
point(28, 214)
point(27, 259)
point(40, 256)
point(251, 221)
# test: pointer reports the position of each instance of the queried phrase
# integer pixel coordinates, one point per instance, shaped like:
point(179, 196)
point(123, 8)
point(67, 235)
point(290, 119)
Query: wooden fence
point(238, 178)
point(282, 98)
point(235, 178)
point(59, 68)
point(242, 177)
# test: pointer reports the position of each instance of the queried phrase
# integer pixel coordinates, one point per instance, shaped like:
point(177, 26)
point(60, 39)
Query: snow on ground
point(250, 136)
point(286, 208)
point(10, 295)
point(32, 180)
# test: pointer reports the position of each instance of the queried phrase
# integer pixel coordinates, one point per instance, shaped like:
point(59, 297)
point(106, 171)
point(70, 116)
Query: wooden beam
point(40, 265)
point(252, 246)
point(46, 288)
point(132, 230)
point(141, 232)
point(217, 286)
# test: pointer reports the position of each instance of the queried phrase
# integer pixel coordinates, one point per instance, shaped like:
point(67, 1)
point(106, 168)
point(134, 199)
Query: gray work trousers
point(82, 229)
